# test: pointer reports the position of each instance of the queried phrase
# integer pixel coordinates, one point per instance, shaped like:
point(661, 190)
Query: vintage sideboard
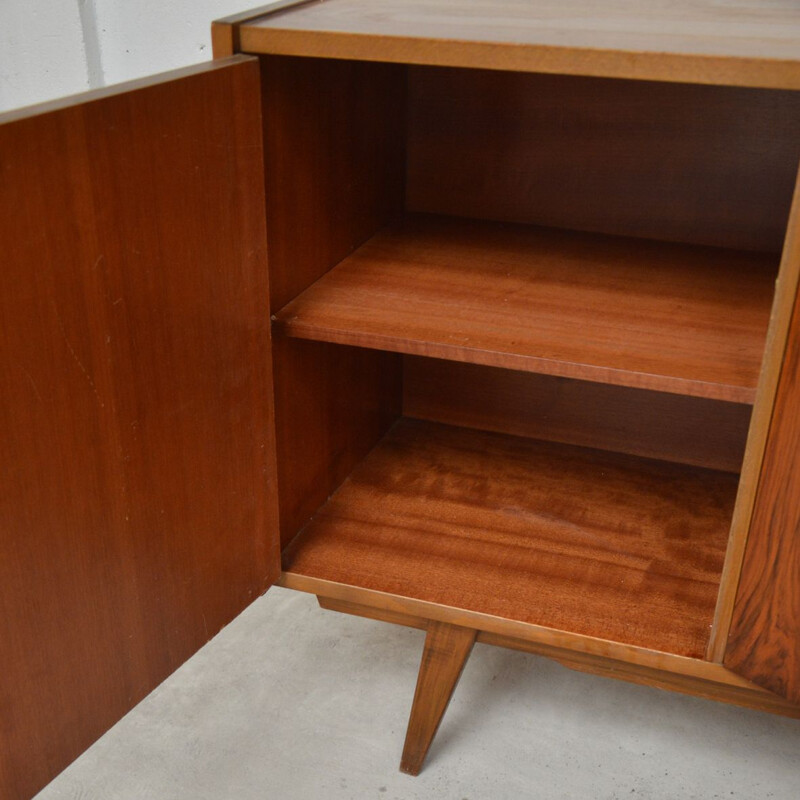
point(479, 317)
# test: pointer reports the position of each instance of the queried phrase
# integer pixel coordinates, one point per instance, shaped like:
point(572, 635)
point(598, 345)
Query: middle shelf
point(685, 319)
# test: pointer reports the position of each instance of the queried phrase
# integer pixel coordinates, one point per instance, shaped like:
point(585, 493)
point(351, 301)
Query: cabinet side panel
point(698, 164)
point(334, 154)
point(334, 150)
point(764, 638)
point(137, 510)
point(333, 404)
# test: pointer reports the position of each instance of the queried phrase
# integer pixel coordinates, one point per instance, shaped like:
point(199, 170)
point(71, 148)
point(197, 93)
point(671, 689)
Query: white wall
point(41, 51)
point(52, 48)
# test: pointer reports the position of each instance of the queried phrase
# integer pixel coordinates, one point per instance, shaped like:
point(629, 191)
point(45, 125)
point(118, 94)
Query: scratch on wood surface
point(33, 383)
point(76, 358)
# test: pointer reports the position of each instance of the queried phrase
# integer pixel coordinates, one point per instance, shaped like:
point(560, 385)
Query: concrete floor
point(293, 702)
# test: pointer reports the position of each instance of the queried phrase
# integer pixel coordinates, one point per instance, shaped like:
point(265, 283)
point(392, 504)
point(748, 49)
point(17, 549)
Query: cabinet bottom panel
point(614, 547)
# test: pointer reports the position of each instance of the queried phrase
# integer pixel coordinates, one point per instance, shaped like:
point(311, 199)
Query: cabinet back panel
point(679, 162)
point(670, 427)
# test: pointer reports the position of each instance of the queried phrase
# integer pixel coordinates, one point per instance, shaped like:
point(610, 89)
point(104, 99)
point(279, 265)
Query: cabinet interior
point(518, 323)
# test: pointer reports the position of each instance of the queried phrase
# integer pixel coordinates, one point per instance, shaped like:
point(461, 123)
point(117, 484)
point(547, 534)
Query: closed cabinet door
point(137, 496)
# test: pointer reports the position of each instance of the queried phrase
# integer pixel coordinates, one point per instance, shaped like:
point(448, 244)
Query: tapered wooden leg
point(447, 648)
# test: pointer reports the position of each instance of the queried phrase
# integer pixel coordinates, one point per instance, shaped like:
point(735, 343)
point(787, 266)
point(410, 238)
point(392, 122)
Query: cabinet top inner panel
point(738, 42)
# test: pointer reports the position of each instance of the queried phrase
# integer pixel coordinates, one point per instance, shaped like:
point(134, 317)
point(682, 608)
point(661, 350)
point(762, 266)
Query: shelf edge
point(715, 70)
point(294, 327)
point(575, 642)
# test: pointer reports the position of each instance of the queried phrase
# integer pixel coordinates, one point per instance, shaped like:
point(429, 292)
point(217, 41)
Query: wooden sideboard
point(480, 318)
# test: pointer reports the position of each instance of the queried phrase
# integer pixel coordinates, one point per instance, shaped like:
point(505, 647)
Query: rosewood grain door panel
point(763, 641)
point(137, 512)
point(764, 638)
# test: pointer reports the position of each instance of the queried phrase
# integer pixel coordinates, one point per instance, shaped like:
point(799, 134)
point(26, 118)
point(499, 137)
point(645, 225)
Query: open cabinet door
point(137, 496)
point(763, 644)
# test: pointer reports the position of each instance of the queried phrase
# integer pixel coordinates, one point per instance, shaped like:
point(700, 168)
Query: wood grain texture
point(334, 156)
point(358, 610)
point(717, 683)
point(786, 288)
point(603, 545)
point(535, 635)
point(628, 312)
point(699, 164)
point(333, 151)
point(332, 405)
point(447, 648)
point(223, 40)
point(695, 41)
point(670, 427)
point(137, 481)
point(764, 638)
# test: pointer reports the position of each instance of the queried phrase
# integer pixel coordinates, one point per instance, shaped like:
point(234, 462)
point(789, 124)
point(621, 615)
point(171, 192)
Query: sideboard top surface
point(739, 42)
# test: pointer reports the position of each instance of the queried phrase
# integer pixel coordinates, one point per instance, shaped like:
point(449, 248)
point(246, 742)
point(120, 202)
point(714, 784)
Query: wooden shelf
point(609, 546)
point(653, 315)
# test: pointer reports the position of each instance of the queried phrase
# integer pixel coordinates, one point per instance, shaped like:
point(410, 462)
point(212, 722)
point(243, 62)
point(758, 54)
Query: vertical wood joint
point(224, 39)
